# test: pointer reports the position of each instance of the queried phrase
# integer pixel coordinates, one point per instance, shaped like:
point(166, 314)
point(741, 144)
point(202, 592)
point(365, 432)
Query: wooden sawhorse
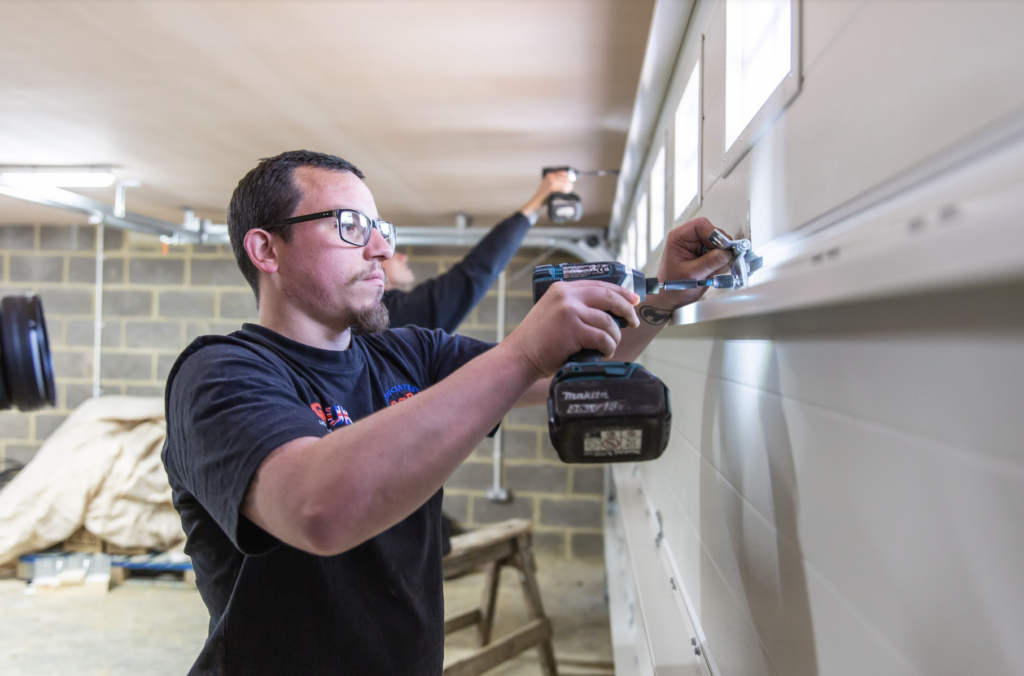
point(503, 544)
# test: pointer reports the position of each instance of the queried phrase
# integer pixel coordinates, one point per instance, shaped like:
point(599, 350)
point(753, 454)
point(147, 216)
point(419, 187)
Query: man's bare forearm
point(634, 341)
point(331, 494)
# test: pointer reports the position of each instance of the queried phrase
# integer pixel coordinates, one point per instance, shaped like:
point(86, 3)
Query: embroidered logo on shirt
point(332, 416)
point(400, 393)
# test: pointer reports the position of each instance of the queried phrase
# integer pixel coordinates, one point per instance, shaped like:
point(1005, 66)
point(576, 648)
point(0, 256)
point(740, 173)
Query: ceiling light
point(57, 177)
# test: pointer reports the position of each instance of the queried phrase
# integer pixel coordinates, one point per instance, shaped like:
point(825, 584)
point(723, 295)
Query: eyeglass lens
point(355, 228)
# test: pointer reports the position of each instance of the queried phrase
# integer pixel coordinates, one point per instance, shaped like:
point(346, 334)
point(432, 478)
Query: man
point(318, 552)
point(443, 302)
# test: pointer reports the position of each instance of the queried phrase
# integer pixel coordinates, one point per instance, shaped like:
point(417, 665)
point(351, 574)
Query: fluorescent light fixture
point(57, 177)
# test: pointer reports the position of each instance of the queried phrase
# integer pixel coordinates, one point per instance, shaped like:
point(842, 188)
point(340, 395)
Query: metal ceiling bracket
point(119, 196)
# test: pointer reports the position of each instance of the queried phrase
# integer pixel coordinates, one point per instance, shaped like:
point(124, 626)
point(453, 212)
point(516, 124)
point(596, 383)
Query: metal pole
point(497, 492)
point(97, 332)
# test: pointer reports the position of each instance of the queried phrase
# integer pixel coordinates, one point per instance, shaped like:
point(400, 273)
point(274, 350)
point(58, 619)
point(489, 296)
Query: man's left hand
point(683, 259)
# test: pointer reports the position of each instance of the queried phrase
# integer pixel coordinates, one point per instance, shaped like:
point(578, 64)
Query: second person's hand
point(556, 181)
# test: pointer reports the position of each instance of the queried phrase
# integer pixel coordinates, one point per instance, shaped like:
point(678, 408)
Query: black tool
point(26, 369)
point(567, 207)
point(619, 411)
point(604, 411)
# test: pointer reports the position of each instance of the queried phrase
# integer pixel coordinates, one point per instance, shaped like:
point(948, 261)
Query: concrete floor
point(150, 629)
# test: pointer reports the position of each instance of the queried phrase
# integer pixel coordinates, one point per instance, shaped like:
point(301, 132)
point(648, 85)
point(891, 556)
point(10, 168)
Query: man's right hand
point(572, 316)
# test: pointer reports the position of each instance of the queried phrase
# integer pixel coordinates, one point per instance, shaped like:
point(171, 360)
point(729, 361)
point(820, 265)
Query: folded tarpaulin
point(100, 469)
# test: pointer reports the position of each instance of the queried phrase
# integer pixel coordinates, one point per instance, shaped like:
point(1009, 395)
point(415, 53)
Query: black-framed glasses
point(353, 227)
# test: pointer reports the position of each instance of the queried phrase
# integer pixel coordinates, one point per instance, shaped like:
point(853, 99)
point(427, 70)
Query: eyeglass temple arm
point(308, 217)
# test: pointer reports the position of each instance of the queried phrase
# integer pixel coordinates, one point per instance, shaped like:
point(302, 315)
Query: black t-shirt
point(274, 609)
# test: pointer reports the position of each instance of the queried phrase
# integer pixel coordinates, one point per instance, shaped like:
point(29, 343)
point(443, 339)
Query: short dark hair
point(268, 194)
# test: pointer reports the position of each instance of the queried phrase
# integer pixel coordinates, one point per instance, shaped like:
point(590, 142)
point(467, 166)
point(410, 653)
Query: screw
point(949, 211)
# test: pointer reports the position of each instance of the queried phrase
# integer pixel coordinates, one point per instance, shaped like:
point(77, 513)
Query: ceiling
point(445, 105)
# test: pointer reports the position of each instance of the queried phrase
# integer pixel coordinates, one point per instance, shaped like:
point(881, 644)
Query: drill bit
point(716, 282)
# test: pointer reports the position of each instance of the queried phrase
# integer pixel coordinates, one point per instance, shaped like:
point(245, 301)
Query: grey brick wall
point(150, 305)
point(156, 301)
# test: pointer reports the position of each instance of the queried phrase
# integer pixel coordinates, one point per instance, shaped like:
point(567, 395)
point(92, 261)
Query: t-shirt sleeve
point(228, 407)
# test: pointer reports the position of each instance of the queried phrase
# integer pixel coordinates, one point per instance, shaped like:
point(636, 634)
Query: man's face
point(333, 282)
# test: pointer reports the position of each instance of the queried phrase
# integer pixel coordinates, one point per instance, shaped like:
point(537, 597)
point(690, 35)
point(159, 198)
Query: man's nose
point(378, 247)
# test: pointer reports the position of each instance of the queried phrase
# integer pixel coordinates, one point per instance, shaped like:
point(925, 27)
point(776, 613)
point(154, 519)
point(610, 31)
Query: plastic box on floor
point(48, 572)
point(166, 567)
point(100, 571)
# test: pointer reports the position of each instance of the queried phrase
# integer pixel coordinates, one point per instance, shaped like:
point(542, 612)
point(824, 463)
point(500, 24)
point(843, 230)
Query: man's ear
point(262, 250)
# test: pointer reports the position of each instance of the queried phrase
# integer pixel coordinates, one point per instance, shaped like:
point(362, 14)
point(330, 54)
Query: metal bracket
point(744, 262)
point(119, 196)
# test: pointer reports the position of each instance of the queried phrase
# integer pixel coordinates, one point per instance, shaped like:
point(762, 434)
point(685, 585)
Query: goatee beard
point(371, 320)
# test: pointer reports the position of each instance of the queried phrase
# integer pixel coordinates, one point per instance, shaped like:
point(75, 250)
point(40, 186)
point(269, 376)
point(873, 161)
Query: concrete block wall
point(156, 301)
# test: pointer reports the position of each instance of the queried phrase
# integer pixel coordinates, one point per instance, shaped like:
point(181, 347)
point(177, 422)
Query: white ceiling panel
point(444, 105)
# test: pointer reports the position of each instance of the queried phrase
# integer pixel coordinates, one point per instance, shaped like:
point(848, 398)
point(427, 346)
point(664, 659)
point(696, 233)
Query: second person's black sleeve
point(444, 301)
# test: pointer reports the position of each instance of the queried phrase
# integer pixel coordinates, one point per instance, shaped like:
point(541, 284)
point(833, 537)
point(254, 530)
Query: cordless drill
point(604, 411)
point(613, 411)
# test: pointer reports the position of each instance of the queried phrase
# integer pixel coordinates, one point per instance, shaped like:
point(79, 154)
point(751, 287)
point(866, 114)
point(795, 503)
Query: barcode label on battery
point(612, 442)
point(579, 270)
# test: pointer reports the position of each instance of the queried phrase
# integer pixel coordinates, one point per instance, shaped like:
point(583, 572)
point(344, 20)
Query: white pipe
point(97, 328)
point(497, 492)
point(585, 243)
point(96, 210)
